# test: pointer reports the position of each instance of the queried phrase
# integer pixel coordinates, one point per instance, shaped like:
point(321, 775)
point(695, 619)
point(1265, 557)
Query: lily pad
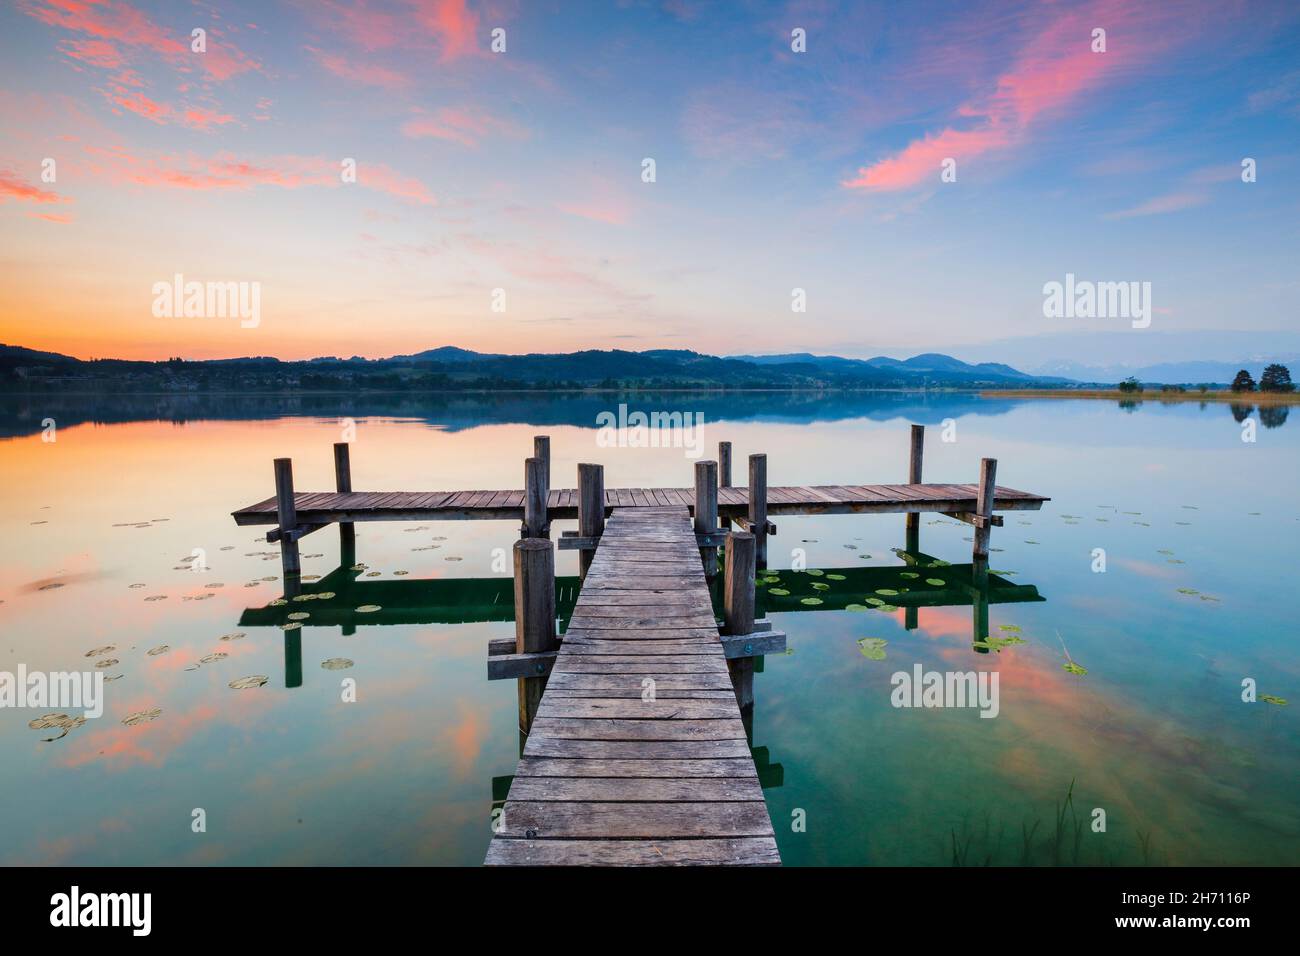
point(106, 662)
point(1013, 628)
point(235, 636)
point(1074, 668)
point(872, 648)
point(299, 616)
point(245, 683)
point(909, 574)
point(369, 608)
point(856, 607)
point(815, 572)
point(1270, 699)
point(836, 577)
point(336, 664)
point(142, 716)
point(100, 651)
point(160, 649)
point(810, 601)
point(818, 586)
point(887, 592)
point(936, 582)
point(213, 658)
point(779, 592)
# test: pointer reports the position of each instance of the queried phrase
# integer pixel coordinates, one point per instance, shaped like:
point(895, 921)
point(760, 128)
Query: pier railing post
point(591, 509)
point(287, 515)
point(343, 484)
point(914, 478)
point(534, 616)
point(738, 597)
point(542, 450)
point(706, 510)
point(536, 491)
point(758, 507)
point(984, 509)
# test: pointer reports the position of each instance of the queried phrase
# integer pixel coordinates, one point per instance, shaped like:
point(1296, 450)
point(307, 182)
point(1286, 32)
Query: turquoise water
point(1155, 733)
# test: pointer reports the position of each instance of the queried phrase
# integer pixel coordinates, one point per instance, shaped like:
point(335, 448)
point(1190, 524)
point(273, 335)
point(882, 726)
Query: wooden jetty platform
point(636, 749)
point(637, 754)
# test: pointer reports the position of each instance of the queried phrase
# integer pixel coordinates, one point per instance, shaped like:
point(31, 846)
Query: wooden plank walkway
point(608, 778)
point(562, 503)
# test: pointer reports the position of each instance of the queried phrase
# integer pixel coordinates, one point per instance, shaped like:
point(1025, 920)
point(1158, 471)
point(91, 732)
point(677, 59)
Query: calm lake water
point(1199, 593)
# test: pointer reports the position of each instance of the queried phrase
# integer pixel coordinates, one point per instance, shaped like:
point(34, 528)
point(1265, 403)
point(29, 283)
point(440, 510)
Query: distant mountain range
point(451, 368)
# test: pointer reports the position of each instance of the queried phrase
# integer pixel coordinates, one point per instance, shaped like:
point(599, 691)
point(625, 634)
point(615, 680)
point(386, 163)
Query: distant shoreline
point(1150, 395)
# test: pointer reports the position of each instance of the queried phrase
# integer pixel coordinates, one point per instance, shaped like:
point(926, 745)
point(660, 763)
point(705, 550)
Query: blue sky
point(522, 171)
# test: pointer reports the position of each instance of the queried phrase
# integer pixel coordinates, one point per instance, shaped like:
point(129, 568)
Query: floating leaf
point(877, 602)
point(815, 572)
point(369, 609)
point(245, 683)
point(810, 601)
point(836, 577)
point(106, 662)
point(100, 651)
point(888, 592)
point(232, 637)
point(160, 649)
point(299, 616)
point(1074, 668)
point(818, 586)
point(291, 626)
point(142, 716)
point(872, 648)
point(887, 608)
point(909, 574)
point(1009, 627)
point(213, 658)
point(1188, 591)
point(856, 607)
point(779, 592)
point(336, 664)
point(1270, 699)
point(936, 582)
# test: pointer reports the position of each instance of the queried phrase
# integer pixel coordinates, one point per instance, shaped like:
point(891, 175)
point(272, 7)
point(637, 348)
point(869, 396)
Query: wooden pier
point(637, 753)
point(637, 748)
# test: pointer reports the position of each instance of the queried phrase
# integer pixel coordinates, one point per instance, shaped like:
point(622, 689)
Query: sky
point(128, 156)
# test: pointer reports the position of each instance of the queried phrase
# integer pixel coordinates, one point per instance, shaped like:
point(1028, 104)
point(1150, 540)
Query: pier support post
point(542, 450)
point(724, 475)
point(343, 484)
point(534, 616)
point(980, 606)
point(738, 596)
point(287, 514)
point(758, 507)
point(591, 509)
point(706, 511)
point(984, 509)
point(914, 478)
point(536, 491)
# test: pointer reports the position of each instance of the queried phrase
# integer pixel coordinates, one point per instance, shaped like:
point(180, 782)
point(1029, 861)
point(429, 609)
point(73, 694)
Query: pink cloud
point(1050, 72)
point(1173, 202)
point(368, 74)
point(12, 186)
point(225, 172)
point(460, 126)
point(118, 21)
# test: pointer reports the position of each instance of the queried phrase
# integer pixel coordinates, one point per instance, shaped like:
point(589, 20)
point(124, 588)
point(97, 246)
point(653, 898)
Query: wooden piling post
point(914, 477)
point(980, 606)
point(724, 476)
point(758, 507)
point(984, 509)
point(534, 616)
point(738, 596)
point(542, 450)
point(591, 509)
point(536, 491)
point(706, 511)
point(343, 484)
point(287, 515)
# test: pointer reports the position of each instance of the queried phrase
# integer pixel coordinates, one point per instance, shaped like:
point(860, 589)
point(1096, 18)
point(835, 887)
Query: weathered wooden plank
point(740, 851)
point(542, 820)
point(636, 708)
point(636, 789)
point(636, 749)
point(577, 728)
point(665, 767)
